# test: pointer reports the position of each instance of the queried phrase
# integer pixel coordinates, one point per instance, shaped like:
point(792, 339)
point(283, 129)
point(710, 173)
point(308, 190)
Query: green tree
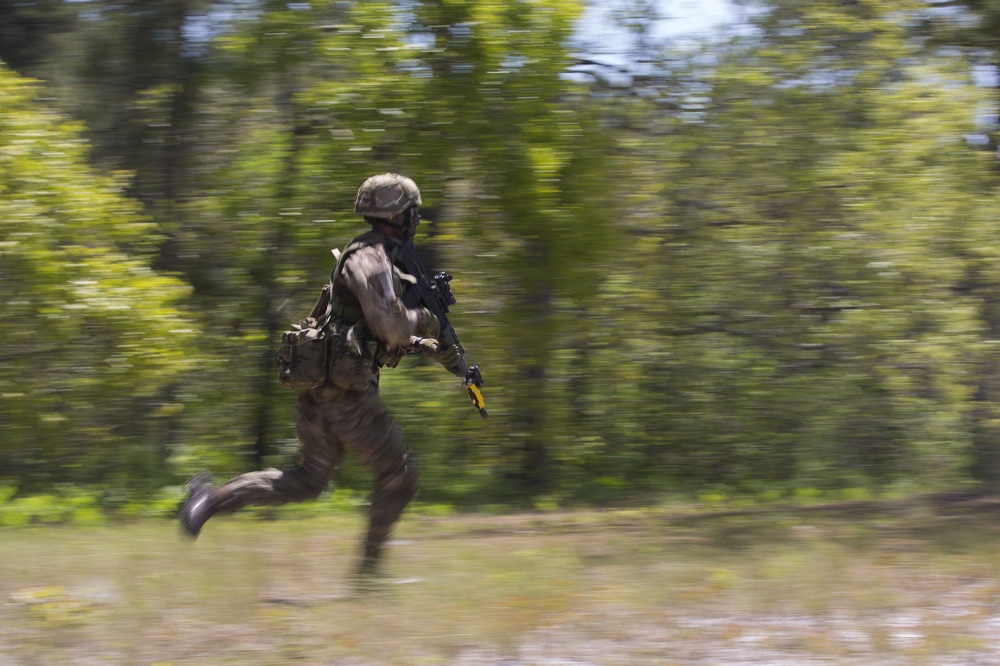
point(94, 342)
point(468, 99)
point(30, 31)
point(812, 191)
point(971, 26)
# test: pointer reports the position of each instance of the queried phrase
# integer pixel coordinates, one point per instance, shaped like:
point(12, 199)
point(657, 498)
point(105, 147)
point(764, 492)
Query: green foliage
point(759, 270)
point(78, 506)
point(805, 232)
point(90, 332)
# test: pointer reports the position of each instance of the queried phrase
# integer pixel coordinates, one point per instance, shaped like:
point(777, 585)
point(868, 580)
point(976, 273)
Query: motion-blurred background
point(739, 249)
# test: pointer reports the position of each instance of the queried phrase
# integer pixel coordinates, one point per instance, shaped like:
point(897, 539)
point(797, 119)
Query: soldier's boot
point(198, 507)
point(376, 537)
point(393, 491)
point(368, 577)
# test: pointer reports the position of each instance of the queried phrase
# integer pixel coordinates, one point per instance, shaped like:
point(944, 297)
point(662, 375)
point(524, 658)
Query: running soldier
point(372, 329)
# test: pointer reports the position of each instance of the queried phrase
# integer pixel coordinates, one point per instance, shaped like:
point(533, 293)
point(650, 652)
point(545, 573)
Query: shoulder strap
point(323, 309)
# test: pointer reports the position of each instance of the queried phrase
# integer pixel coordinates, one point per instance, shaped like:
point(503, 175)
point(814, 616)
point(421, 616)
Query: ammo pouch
point(304, 355)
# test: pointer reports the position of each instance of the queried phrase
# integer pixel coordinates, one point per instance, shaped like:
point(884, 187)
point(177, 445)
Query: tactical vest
point(347, 309)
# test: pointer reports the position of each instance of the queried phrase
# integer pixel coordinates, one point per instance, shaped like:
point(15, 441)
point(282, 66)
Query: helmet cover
point(386, 195)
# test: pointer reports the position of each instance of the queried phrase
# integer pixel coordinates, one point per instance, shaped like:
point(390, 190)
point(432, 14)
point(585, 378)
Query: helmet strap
point(406, 226)
point(410, 218)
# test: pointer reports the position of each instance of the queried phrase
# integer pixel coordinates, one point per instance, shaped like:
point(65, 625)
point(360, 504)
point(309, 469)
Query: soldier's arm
point(369, 276)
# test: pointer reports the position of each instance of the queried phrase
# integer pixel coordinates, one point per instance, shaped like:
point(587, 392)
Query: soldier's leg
point(366, 427)
point(320, 454)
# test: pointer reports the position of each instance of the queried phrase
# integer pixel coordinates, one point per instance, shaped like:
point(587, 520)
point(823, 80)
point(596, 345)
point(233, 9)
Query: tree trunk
point(267, 287)
point(985, 414)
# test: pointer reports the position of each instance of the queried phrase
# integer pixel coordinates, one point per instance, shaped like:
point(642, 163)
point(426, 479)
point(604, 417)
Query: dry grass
point(904, 583)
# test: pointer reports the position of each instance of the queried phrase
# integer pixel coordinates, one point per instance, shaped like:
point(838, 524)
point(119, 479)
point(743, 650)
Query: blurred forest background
point(763, 264)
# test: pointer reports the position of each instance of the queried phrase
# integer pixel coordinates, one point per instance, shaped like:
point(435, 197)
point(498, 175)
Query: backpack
point(303, 357)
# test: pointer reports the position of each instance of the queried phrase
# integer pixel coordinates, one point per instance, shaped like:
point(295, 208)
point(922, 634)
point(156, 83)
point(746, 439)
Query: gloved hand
point(446, 356)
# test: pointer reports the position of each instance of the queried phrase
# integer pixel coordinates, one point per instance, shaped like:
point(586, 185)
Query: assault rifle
point(434, 293)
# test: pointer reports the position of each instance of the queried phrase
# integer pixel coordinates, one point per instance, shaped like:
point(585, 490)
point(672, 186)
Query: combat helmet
point(386, 195)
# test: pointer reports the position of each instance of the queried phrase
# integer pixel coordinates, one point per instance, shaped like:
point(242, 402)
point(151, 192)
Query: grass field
point(914, 582)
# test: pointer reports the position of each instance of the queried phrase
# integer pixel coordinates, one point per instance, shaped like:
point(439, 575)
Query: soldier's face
point(414, 223)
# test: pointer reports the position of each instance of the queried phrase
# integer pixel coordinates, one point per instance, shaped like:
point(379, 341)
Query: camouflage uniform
point(375, 329)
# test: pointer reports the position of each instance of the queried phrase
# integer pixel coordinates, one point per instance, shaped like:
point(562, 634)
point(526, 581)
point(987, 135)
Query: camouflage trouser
point(345, 413)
